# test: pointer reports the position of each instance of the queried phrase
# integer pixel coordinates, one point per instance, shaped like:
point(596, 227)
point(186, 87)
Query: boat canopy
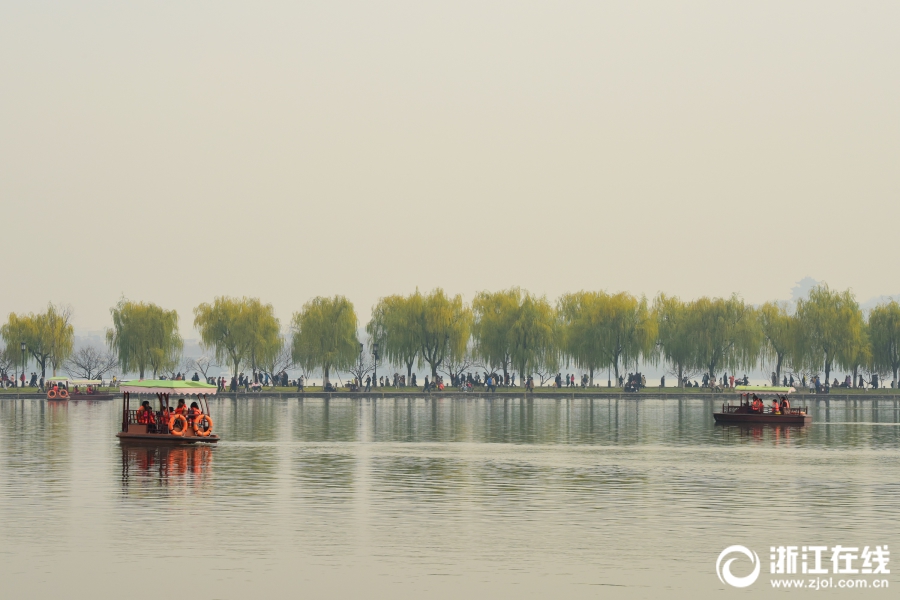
point(75, 381)
point(167, 386)
point(762, 390)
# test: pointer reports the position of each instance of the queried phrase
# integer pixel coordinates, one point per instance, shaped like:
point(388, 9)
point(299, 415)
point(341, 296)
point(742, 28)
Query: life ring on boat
point(200, 419)
point(172, 420)
point(63, 393)
point(51, 394)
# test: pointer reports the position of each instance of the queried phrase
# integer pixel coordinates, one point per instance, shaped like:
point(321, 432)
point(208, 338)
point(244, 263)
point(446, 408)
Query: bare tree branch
point(90, 363)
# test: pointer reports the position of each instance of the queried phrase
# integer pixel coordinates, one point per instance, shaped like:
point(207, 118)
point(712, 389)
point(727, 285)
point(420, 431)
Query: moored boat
point(753, 409)
point(169, 424)
point(63, 388)
point(87, 389)
point(57, 388)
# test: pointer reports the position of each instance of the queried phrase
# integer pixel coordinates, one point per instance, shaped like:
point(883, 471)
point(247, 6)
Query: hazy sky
point(175, 151)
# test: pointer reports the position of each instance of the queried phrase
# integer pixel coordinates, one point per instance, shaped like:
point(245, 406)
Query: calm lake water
point(435, 498)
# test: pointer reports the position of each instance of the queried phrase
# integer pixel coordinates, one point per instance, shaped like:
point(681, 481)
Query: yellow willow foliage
point(240, 331)
point(514, 328)
point(884, 334)
point(725, 332)
point(144, 337)
point(48, 336)
point(600, 329)
point(324, 335)
point(393, 328)
point(442, 326)
point(779, 330)
point(831, 328)
point(675, 335)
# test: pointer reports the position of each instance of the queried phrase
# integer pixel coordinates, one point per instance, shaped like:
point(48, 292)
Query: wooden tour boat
point(753, 409)
point(63, 388)
point(164, 425)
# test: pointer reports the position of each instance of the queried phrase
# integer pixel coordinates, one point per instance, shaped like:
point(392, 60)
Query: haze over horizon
point(172, 153)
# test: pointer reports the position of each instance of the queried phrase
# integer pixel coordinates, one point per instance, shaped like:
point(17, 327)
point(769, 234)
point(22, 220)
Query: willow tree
point(675, 337)
point(324, 335)
point(603, 329)
point(779, 331)
point(856, 355)
point(442, 326)
point(49, 337)
point(145, 337)
point(884, 334)
point(240, 331)
point(392, 328)
point(725, 332)
point(513, 328)
point(830, 324)
point(581, 327)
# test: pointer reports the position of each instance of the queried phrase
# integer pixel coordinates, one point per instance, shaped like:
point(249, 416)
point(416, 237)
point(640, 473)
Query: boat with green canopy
point(66, 388)
point(753, 409)
point(172, 424)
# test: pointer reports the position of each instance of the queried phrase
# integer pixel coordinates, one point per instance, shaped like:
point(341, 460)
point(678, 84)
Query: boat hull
point(762, 418)
point(92, 396)
point(165, 438)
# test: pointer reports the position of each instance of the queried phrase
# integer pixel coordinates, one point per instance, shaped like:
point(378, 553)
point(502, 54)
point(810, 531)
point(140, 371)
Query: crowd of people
point(489, 381)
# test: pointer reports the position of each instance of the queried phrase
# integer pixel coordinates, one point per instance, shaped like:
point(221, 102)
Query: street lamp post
point(374, 363)
point(23, 361)
point(360, 383)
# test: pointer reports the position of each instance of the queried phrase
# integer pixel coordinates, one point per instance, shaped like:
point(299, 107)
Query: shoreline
point(646, 394)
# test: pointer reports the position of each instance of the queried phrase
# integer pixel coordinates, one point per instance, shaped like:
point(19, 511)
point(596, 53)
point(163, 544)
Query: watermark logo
point(724, 570)
point(811, 567)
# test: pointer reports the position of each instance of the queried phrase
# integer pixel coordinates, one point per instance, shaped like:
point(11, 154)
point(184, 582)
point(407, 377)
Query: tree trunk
point(409, 371)
point(325, 371)
point(827, 369)
point(778, 360)
point(591, 371)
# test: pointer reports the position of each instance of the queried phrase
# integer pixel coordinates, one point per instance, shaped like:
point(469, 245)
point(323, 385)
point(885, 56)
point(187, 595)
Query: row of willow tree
point(506, 331)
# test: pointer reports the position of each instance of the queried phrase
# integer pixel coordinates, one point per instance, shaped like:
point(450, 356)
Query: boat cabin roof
point(764, 390)
point(76, 381)
point(167, 386)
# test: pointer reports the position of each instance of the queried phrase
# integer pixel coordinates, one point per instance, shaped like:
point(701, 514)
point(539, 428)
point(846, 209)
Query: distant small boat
point(753, 409)
point(63, 388)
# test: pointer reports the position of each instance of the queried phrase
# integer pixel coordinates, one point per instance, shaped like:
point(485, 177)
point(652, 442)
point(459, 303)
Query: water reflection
point(188, 465)
point(418, 497)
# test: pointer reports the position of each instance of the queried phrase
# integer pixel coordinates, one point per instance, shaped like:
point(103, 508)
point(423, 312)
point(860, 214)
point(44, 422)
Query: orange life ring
point(197, 422)
point(172, 421)
point(63, 393)
point(51, 394)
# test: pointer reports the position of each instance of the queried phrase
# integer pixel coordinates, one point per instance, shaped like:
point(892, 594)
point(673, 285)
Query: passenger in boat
point(194, 414)
point(181, 409)
point(757, 404)
point(145, 414)
point(775, 408)
point(785, 405)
